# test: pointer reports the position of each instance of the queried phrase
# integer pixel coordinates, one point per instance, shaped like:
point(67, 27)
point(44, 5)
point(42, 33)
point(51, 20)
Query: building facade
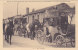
point(49, 12)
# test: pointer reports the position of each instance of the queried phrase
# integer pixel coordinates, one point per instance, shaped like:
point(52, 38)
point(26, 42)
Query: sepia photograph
point(39, 25)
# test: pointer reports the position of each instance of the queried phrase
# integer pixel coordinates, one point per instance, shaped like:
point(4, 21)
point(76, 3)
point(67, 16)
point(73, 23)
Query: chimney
point(33, 10)
point(27, 10)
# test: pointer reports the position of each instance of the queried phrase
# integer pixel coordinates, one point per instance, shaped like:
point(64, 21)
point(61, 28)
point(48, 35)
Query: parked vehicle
point(63, 33)
point(19, 26)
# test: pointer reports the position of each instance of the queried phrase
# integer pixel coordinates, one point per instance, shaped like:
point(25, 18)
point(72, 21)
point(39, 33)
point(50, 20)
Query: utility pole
point(17, 7)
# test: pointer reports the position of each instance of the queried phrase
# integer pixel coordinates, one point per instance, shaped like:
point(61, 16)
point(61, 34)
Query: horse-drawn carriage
point(19, 26)
point(57, 30)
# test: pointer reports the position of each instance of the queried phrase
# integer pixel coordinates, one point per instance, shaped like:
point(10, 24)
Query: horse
point(31, 27)
point(49, 31)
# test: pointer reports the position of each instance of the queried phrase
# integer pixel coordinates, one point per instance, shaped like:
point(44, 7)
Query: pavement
point(18, 41)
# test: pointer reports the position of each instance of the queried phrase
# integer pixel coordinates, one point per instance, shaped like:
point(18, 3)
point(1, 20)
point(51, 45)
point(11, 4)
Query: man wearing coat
point(9, 32)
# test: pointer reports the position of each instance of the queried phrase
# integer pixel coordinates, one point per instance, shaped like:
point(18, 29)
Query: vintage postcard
point(39, 24)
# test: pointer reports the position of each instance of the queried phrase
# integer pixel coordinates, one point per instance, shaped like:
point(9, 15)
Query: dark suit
point(9, 32)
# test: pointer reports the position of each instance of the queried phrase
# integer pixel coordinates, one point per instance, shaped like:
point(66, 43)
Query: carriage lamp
point(71, 16)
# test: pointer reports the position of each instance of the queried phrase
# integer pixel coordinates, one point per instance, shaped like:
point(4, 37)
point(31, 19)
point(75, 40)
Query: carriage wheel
point(73, 42)
point(40, 37)
point(70, 42)
point(60, 41)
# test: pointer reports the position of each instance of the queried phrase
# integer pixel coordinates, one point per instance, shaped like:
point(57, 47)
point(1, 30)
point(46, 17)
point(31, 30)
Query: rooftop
point(54, 8)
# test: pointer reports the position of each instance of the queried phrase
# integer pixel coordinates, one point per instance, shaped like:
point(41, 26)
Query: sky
point(10, 8)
